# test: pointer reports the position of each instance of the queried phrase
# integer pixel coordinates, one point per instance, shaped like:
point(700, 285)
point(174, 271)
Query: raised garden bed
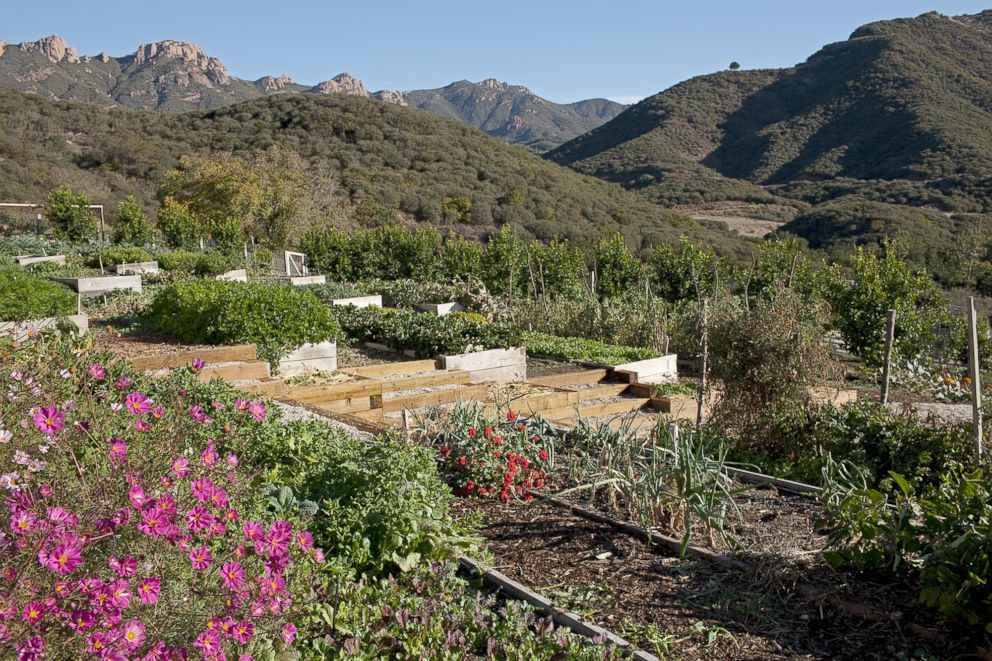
point(304, 280)
point(493, 365)
point(96, 285)
point(136, 268)
point(19, 329)
point(359, 301)
point(237, 275)
point(27, 260)
point(663, 369)
point(322, 357)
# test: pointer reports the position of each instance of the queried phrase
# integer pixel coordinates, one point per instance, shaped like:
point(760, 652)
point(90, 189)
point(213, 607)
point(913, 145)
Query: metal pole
point(890, 336)
point(974, 367)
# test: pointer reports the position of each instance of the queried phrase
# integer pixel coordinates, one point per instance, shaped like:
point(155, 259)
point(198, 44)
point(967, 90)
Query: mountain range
point(174, 76)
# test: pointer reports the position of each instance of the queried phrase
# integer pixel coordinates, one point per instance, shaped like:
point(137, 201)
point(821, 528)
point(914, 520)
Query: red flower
point(511, 416)
point(462, 461)
point(445, 450)
point(488, 431)
point(543, 454)
point(471, 432)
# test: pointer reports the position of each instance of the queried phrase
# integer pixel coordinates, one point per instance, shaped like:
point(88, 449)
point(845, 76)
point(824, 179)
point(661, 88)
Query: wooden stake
point(705, 356)
point(406, 424)
point(100, 259)
point(974, 366)
point(890, 336)
point(79, 303)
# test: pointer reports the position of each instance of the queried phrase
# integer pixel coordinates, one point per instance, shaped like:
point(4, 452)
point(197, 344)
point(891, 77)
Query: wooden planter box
point(27, 260)
point(360, 301)
point(439, 309)
point(492, 366)
point(19, 329)
point(654, 370)
point(101, 284)
point(237, 275)
point(303, 280)
point(833, 396)
point(136, 267)
point(323, 357)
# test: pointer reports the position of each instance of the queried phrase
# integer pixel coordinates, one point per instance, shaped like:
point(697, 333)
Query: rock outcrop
point(197, 63)
point(343, 83)
point(53, 47)
point(391, 96)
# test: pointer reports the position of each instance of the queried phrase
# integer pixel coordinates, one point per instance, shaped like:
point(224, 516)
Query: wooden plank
point(221, 354)
point(570, 379)
point(347, 405)
point(372, 415)
point(611, 390)
point(484, 360)
point(464, 393)
point(387, 369)
point(437, 378)
point(536, 403)
point(607, 408)
point(253, 369)
point(506, 374)
point(334, 391)
point(271, 387)
point(367, 426)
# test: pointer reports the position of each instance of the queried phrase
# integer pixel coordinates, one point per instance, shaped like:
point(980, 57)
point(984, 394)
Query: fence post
point(702, 376)
point(975, 367)
point(890, 336)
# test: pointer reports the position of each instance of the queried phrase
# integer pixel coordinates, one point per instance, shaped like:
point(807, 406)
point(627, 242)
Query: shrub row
point(577, 348)
point(424, 334)
point(25, 296)
point(276, 318)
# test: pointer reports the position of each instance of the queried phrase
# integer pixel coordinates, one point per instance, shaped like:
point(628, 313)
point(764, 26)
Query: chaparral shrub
point(25, 296)
point(134, 530)
point(276, 318)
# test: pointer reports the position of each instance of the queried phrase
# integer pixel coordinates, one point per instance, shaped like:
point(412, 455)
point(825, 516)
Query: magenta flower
point(149, 589)
point(208, 642)
point(32, 649)
point(65, 558)
point(125, 567)
point(243, 632)
point(134, 634)
point(198, 518)
point(209, 457)
point(272, 585)
point(136, 495)
point(219, 497)
point(233, 575)
point(122, 383)
point(288, 632)
point(280, 532)
point(196, 365)
point(305, 540)
point(137, 403)
point(22, 522)
point(158, 412)
point(33, 612)
point(120, 594)
point(199, 414)
point(218, 529)
point(98, 643)
point(180, 466)
point(201, 557)
point(232, 460)
point(142, 425)
point(217, 406)
point(49, 420)
point(318, 556)
point(98, 372)
point(154, 522)
point(202, 489)
point(257, 410)
point(241, 404)
point(253, 530)
point(61, 518)
point(81, 620)
point(118, 448)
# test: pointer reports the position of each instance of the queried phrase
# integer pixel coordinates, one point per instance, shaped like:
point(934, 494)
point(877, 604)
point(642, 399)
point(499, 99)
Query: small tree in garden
point(877, 284)
point(687, 271)
point(133, 226)
point(179, 226)
point(69, 214)
point(617, 271)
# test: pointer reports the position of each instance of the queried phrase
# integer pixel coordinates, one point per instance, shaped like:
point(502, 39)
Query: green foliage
point(179, 226)
point(880, 283)
point(617, 271)
point(69, 214)
point(277, 319)
point(424, 334)
point(461, 258)
point(504, 262)
point(119, 255)
point(133, 226)
point(686, 272)
point(24, 296)
point(200, 263)
point(576, 348)
point(559, 269)
point(388, 252)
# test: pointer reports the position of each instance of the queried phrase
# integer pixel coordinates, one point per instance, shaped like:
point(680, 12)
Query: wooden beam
point(335, 391)
point(608, 408)
point(387, 369)
point(347, 405)
point(569, 379)
point(612, 390)
point(448, 396)
point(172, 359)
point(271, 387)
point(438, 378)
point(253, 369)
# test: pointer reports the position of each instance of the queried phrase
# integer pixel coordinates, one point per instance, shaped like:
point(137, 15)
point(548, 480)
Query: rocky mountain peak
point(391, 96)
point(3, 46)
point(53, 47)
point(271, 84)
point(190, 54)
point(343, 83)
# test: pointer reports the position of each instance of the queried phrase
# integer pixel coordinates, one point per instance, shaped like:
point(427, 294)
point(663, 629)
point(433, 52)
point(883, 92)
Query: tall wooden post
point(890, 337)
point(975, 369)
point(703, 368)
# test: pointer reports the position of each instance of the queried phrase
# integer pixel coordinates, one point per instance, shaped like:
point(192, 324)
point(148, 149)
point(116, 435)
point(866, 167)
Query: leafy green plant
point(133, 226)
point(24, 296)
point(277, 319)
point(576, 348)
point(178, 225)
point(70, 214)
point(119, 255)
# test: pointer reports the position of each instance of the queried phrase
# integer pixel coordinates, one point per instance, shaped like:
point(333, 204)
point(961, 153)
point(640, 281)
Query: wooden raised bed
point(493, 366)
point(237, 275)
point(303, 280)
point(19, 329)
point(27, 260)
point(663, 369)
point(318, 357)
point(93, 286)
point(360, 301)
point(133, 268)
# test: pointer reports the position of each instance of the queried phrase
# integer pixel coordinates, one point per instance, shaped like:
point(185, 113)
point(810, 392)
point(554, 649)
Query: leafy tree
point(877, 284)
point(504, 262)
point(179, 226)
point(461, 258)
point(559, 268)
point(70, 216)
point(734, 66)
point(686, 272)
point(457, 208)
point(133, 226)
point(617, 271)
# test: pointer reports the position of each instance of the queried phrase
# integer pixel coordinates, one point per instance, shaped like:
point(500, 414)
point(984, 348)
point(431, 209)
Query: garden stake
point(702, 378)
point(974, 366)
point(890, 336)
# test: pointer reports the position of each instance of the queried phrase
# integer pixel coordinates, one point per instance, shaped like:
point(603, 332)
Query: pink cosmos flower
point(198, 518)
point(208, 642)
point(142, 425)
point(158, 412)
point(125, 567)
point(233, 575)
point(201, 557)
point(199, 414)
point(22, 522)
point(180, 466)
point(318, 556)
point(231, 515)
point(232, 460)
point(288, 632)
point(241, 404)
point(137, 403)
point(120, 591)
point(202, 489)
point(154, 522)
point(32, 649)
point(136, 495)
point(219, 497)
point(80, 620)
point(257, 410)
point(122, 383)
point(272, 585)
point(49, 420)
point(196, 365)
point(209, 457)
point(217, 406)
point(149, 590)
point(305, 540)
point(9, 573)
point(65, 558)
point(5, 436)
point(253, 530)
point(33, 612)
point(61, 517)
point(118, 448)
point(98, 643)
point(134, 634)
point(280, 532)
point(98, 372)
point(243, 632)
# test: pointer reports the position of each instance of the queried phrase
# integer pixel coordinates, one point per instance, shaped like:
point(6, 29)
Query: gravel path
point(291, 413)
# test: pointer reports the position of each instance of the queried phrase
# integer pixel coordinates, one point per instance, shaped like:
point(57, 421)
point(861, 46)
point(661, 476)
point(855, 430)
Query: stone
point(343, 83)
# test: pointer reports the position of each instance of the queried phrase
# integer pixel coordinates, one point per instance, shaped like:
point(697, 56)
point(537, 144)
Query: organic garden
point(395, 443)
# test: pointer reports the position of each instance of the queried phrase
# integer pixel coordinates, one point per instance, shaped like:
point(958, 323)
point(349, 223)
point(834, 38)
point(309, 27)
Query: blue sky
point(562, 50)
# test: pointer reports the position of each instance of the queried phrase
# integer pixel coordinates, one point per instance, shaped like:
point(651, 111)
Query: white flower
point(36, 465)
point(65, 374)
point(16, 376)
point(21, 457)
point(5, 436)
point(116, 406)
point(43, 449)
point(9, 481)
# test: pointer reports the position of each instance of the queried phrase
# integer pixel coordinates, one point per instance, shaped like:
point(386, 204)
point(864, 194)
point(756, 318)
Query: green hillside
point(404, 158)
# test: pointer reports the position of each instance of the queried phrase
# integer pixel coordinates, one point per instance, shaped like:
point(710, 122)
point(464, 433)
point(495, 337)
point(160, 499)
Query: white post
point(974, 366)
point(703, 367)
point(890, 336)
